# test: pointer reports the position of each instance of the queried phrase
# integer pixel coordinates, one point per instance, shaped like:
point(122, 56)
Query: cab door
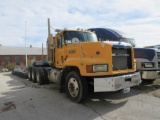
point(59, 51)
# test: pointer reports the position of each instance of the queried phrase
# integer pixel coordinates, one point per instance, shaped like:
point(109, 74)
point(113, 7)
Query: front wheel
point(76, 87)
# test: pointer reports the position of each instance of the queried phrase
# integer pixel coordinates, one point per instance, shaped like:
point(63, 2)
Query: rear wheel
point(76, 87)
point(30, 74)
point(34, 69)
point(45, 69)
point(40, 76)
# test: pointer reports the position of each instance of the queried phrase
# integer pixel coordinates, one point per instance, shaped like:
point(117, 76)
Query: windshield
point(130, 41)
point(82, 36)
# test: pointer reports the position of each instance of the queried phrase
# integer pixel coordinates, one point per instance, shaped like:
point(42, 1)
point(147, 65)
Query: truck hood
point(144, 53)
point(117, 43)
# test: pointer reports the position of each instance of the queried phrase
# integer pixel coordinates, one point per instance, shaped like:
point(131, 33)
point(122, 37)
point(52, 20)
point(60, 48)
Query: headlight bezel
point(147, 64)
point(95, 68)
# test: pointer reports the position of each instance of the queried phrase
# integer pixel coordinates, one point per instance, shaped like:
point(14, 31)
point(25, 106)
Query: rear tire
point(76, 87)
point(30, 73)
point(45, 69)
point(34, 69)
point(40, 76)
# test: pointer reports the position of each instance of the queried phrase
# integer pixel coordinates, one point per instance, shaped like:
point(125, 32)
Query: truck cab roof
point(112, 33)
point(107, 34)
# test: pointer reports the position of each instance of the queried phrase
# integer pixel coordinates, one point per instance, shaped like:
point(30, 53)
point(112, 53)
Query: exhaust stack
point(49, 30)
point(50, 44)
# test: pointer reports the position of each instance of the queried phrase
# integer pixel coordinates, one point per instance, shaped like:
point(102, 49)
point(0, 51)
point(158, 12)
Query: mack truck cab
point(77, 60)
point(147, 59)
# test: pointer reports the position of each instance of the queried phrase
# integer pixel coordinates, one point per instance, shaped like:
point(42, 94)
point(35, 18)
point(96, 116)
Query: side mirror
point(75, 40)
point(59, 42)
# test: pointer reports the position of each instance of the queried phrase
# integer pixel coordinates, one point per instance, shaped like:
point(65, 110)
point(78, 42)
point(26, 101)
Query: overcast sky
point(138, 18)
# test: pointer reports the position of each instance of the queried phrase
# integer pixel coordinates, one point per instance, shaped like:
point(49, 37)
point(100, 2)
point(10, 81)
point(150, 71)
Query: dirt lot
point(20, 99)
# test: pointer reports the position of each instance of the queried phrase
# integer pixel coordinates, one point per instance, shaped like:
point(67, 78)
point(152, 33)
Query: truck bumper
point(150, 75)
point(116, 83)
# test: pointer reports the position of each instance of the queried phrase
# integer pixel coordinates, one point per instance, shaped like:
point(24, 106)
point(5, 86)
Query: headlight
point(148, 65)
point(96, 68)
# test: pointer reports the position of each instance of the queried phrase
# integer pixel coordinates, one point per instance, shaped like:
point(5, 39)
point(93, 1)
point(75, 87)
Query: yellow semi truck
point(78, 61)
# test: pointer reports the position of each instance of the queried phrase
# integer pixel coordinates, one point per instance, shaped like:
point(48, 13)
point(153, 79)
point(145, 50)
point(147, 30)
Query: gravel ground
point(20, 99)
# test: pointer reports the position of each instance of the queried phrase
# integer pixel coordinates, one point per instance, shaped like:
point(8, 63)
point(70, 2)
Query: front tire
point(76, 87)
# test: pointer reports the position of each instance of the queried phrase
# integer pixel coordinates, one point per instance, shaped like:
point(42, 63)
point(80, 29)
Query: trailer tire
point(40, 76)
point(76, 87)
point(30, 73)
point(34, 69)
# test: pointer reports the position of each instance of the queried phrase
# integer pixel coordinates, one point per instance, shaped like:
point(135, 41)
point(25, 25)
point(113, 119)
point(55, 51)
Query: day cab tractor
point(77, 61)
point(147, 59)
point(148, 63)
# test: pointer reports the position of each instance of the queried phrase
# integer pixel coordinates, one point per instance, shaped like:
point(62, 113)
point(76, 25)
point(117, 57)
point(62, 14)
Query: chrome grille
point(121, 58)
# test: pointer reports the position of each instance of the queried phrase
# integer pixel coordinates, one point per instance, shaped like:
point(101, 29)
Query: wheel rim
point(73, 87)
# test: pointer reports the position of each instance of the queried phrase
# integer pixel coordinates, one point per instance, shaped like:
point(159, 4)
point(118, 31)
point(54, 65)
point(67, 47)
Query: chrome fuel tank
point(54, 75)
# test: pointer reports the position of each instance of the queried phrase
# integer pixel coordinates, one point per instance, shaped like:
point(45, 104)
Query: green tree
point(10, 66)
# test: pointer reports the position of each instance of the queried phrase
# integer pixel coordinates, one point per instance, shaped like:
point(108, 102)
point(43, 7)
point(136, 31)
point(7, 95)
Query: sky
point(26, 20)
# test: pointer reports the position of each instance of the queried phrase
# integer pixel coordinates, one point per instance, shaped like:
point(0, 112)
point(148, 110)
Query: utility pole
point(42, 51)
point(25, 44)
